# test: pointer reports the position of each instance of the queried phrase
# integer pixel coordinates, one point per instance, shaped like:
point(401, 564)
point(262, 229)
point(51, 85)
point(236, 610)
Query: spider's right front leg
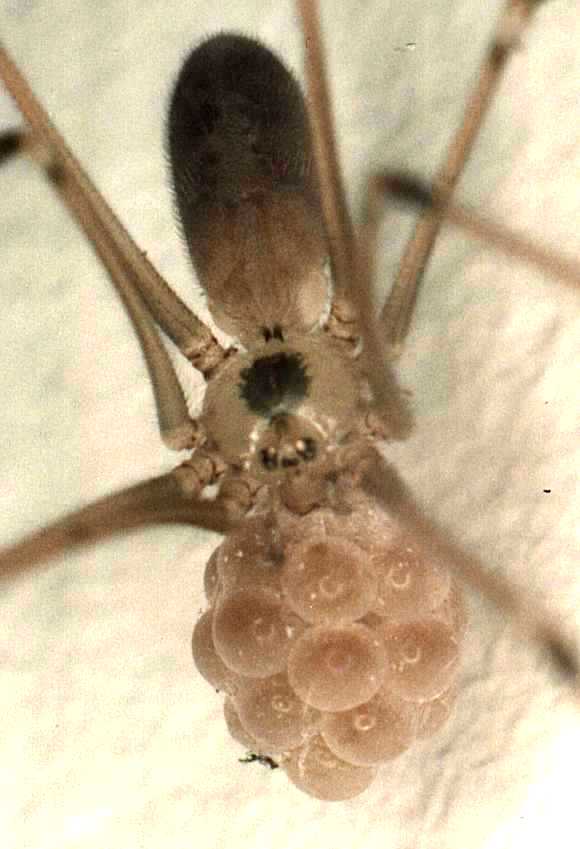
point(400, 305)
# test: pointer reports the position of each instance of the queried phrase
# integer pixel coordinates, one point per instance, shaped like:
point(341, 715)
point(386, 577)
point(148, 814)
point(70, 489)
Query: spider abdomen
point(246, 191)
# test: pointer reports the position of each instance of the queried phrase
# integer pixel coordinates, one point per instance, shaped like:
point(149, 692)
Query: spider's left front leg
point(146, 296)
point(171, 498)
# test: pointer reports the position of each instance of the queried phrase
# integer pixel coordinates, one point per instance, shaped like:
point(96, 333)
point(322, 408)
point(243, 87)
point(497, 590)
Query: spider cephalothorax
point(283, 404)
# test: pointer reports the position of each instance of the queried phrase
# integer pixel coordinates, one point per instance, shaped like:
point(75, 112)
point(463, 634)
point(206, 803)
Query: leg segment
point(351, 266)
point(566, 269)
point(157, 501)
point(528, 614)
point(177, 429)
point(398, 309)
point(188, 332)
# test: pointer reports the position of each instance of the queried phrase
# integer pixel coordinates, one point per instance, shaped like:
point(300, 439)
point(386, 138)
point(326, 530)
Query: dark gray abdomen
point(237, 131)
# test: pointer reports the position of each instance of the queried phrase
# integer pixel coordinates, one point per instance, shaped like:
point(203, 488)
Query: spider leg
point(351, 268)
point(494, 235)
point(177, 429)
point(146, 296)
point(398, 310)
point(172, 498)
point(527, 613)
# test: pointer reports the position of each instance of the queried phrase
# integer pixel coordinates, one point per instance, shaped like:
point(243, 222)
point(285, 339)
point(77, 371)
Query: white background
point(109, 736)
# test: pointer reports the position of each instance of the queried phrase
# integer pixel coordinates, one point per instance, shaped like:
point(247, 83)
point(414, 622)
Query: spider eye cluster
point(335, 641)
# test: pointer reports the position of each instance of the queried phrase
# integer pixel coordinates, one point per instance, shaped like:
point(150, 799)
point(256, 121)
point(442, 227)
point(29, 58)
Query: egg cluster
point(334, 639)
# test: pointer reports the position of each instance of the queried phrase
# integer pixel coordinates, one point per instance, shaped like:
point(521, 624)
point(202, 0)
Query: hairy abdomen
point(246, 189)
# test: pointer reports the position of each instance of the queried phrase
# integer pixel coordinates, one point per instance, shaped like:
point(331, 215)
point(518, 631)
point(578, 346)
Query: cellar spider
point(108, 740)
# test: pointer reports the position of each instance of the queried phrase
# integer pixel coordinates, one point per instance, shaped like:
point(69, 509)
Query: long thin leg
point(336, 213)
point(339, 228)
point(527, 614)
point(177, 429)
point(398, 309)
point(157, 501)
point(170, 499)
point(566, 269)
point(189, 333)
point(350, 267)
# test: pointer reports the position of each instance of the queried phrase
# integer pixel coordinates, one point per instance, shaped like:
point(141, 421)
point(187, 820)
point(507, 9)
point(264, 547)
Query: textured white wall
point(109, 737)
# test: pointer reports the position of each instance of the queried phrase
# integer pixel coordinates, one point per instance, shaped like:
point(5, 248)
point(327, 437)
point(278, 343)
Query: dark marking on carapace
point(274, 384)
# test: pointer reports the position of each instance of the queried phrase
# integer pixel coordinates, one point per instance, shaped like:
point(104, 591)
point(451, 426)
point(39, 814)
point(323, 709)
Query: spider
point(449, 478)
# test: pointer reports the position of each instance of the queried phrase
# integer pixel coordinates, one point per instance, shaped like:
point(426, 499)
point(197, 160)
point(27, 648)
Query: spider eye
point(306, 448)
point(269, 459)
point(286, 444)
